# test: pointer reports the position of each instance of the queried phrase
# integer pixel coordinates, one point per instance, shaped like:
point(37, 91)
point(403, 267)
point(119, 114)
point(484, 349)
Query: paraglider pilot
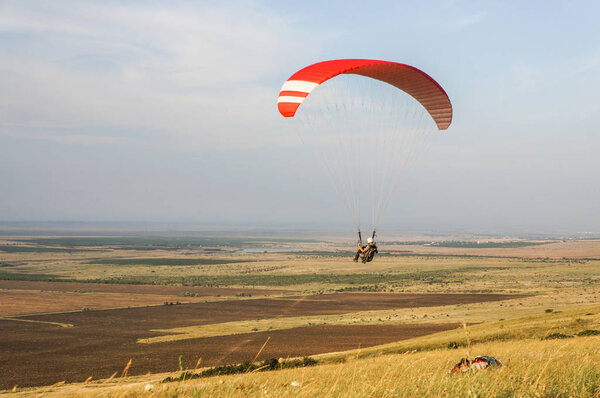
point(366, 252)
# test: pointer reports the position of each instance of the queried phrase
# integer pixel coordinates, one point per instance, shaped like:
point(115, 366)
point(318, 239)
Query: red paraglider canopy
point(407, 78)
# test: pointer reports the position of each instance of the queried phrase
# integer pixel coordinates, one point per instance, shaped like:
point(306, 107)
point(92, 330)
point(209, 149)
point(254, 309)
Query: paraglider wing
point(409, 79)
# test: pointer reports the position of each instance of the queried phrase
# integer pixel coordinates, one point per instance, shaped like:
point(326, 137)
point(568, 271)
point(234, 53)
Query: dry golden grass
point(531, 368)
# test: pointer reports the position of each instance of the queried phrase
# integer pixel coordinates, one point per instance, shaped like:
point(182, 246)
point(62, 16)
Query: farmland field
point(33, 297)
point(90, 305)
point(112, 335)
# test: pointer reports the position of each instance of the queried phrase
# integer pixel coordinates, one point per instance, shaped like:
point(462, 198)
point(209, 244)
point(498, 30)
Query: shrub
point(589, 332)
point(554, 336)
point(245, 367)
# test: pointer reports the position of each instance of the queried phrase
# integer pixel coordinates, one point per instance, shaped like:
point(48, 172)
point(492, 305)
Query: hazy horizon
point(166, 229)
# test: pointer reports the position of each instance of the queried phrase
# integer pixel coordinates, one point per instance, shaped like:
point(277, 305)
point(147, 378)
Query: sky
point(165, 111)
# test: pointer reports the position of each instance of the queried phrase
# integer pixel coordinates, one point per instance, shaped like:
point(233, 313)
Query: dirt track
point(101, 342)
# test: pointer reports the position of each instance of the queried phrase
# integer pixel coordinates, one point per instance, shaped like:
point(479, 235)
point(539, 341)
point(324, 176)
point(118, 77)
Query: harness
point(369, 251)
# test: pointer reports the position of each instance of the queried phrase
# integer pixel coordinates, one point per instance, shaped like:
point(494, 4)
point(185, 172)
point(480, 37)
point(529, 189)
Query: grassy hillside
point(551, 354)
point(532, 368)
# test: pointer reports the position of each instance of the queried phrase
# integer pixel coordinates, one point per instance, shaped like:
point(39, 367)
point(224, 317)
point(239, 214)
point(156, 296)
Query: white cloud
point(526, 77)
point(590, 62)
point(203, 70)
point(467, 21)
point(64, 138)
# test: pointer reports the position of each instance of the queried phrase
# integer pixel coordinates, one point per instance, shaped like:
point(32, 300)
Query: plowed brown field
point(102, 342)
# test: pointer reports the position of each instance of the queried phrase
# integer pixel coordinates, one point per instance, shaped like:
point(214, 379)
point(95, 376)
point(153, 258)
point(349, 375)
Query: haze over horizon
point(166, 112)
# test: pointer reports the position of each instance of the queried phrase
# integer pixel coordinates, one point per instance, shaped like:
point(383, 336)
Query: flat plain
point(75, 308)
